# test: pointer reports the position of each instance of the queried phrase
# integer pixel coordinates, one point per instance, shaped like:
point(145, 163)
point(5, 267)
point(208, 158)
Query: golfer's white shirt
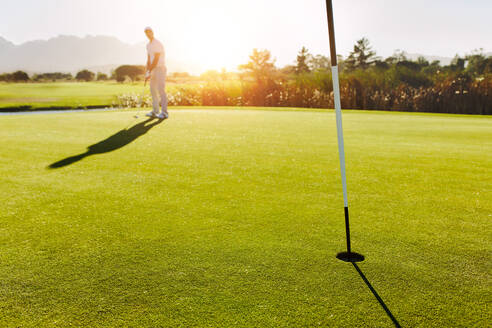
point(154, 48)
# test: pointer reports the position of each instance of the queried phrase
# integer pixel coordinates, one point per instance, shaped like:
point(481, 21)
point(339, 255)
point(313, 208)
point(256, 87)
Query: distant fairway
point(65, 95)
point(69, 95)
point(233, 218)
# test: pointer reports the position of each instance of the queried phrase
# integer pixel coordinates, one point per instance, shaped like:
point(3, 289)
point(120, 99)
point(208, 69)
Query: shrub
point(132, 71)
point(57, 76)
point(101, 77)
point(19, 76)
point(85, 75)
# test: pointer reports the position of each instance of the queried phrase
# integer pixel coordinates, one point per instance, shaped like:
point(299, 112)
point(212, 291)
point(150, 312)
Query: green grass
point(233, 219)
point(69, 94)
point(66, 95)
point(32, 96)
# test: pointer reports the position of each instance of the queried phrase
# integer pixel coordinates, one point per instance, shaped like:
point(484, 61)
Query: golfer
point(156, 72)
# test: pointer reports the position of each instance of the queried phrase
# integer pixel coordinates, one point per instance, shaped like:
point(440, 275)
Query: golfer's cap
point(148, 28)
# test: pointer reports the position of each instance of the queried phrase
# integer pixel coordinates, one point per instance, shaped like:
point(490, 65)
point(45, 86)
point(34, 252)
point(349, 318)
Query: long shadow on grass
point(114, 142)
point(380, 300)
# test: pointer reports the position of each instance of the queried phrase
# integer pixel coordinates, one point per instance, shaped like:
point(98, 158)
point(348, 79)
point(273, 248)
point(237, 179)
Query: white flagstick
point(341, 149)
point(347, 256)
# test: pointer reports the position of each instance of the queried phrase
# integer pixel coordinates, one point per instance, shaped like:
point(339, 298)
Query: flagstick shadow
point(114, 142)
point(380, 300)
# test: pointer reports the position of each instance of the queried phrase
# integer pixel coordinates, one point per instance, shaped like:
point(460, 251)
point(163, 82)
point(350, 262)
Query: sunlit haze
point(217, 34)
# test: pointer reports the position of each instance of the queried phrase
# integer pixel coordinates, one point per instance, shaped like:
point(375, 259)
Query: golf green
point(233, 218)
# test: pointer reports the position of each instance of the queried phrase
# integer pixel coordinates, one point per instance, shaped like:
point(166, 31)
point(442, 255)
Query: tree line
point(366, 82)
point(21, 76)
point(121, 74)
point(370, 82)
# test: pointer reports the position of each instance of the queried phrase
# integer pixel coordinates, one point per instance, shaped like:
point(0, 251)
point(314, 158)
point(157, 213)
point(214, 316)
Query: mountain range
point(69, 54)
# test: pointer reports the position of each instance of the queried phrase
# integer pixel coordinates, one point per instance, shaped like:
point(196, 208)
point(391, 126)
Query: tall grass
point(395, 91)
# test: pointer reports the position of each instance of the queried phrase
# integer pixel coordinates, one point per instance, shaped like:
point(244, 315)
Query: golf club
point(141, 102)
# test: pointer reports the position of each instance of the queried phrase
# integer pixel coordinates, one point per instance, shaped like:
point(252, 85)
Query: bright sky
point(222, 33)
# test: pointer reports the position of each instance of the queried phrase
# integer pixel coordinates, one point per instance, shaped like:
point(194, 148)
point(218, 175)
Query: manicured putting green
point(233, 218)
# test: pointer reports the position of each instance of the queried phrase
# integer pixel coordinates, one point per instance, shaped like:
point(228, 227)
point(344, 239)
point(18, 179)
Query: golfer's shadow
point(114, 142)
